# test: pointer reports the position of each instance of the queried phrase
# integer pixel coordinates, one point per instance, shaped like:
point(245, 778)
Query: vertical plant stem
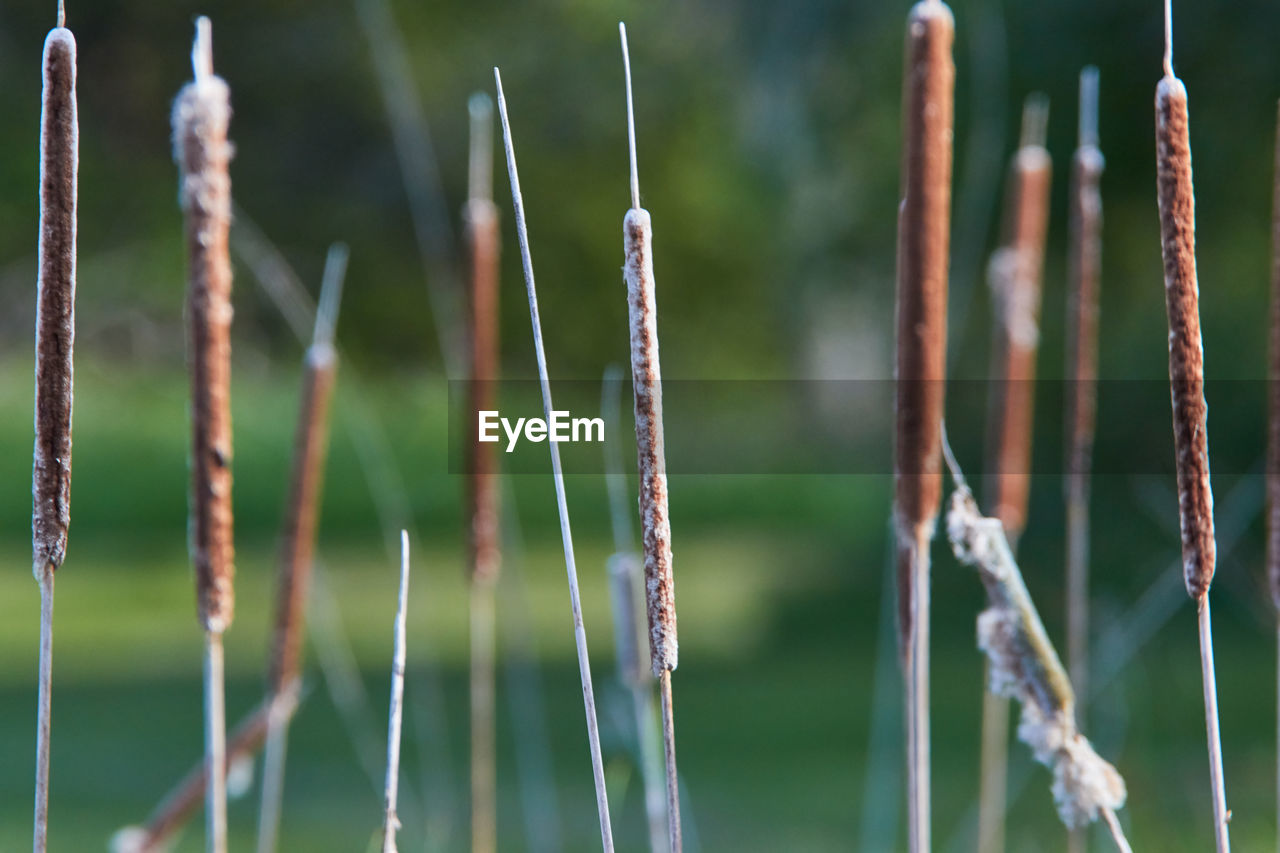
point(1176, 198)
point(1273, 442)
point(483, 776)
point(566, 534)
point(55, 339)
point(391, 822)
point(924, 232)
point(674, 839)
point(44, 712)
point(215, 747)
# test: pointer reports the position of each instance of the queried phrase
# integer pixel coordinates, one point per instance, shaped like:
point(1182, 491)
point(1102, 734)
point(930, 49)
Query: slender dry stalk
point(182, 801)
point(924, 235)
point(200, 117)
point(390, 822)
point(1273, 439)
point(482, 482)
point(297, 546)
point(55, 339)
point(566, 534)
point(1176, 197)
point(1024, 665)
point(1015, 282)
point(655, 517)
point(1085, 271)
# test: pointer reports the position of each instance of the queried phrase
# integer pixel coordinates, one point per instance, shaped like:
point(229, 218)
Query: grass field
point(780, 597)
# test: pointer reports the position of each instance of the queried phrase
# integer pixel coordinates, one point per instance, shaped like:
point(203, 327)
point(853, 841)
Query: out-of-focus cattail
point(1273, 393)
point(1015, 283)
point(1085, 274)
point(481, 219)
point(297, 543)
point(924, 241)
point(200, 118)
point(55, 337)
point(655, 516)
point(1176, 196)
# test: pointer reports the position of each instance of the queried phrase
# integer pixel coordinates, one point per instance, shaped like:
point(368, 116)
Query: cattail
point(924, 236)
point(297, 545)
point(1176, 197)
point(55, 336)
point(557, 472)
point(1085, 271)
point(655, 516)
point(200, 117)
point(1015, 282)
point(391, 822)
point(481, 216)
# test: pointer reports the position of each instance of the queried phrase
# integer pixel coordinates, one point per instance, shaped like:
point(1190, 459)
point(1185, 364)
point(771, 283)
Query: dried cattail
point(924, 235)
point(1024, 665)
point(297, 545)
point(55, 308)
point(482, 234)
point(1015, 283)
point(1085, 272)
point(481, 218)
point(200, 117)
point(655, 516)
point(557, 471)
point(1176, 197)
point(55, 337)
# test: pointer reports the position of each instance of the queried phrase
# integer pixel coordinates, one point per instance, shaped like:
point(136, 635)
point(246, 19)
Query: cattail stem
point(215, 745)
point(297, 549)
point(924, 227)
point(44, 712)
point(391, 822)
point(55, 338)
point(485, 540)
point(1273, 439)
point(1176, 197)
point(566, 534)
point(655, 515)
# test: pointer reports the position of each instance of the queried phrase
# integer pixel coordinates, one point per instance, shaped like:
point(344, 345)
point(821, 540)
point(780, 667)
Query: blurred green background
point(768, 136)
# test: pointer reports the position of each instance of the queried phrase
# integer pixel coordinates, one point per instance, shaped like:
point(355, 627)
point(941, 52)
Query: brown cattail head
point(200, 118)
point(55, 304)
point(1273, 394)
point(1015, 274)
point(482, 235)
point(1085, 273)
point(646, 377)
point(1186, 353)
point(924, 232)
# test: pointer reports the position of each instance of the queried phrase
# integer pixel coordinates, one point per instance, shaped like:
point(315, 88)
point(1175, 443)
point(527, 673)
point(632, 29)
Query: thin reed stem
point(1117, 832)
point(674, 839)
point(1273, 439)
point(566, 534)
point(215, 745)
point(44, 712)
point(483, 747)
point(1221, 817)
point(391, 822)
